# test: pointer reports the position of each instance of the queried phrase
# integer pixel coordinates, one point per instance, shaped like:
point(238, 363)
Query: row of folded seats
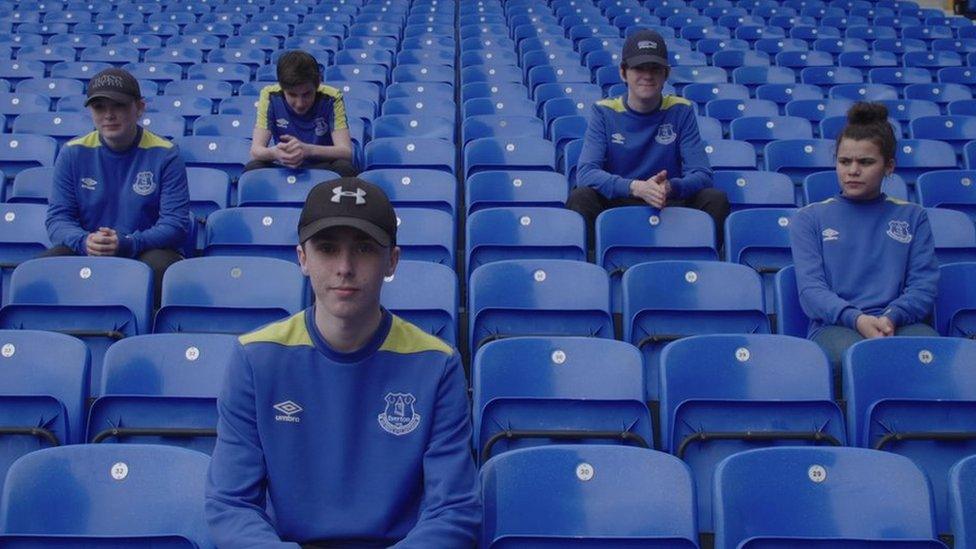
point(721, 395)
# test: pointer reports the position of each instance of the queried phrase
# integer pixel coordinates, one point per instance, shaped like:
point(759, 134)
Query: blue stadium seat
point(170, 126)
point(727, 154)
point(43, 395)
point(831, 127)
point(831, 76)
point(531, 391)
point(917, 156)
point(223, 153)
point(501, 127)
point(899, 77)
point(425, 294)
point(253, 231)
point(914, 397)
point(627, 236)
point(759, 129)
point(279, 186)
point(703, 93)
point(209, 191)
point(32, 185)
point(821, 497)
point(423, 73)
point(416, 188)
point(427, 91)
point(225, 125)
point(492, 189)
point(24, 237)
point(933, 60)
point(497, 234)
point(782, 94)
point(816, 110)
point(688, 298)
point(957, 75)
point(413, 125)
point(959, 107)
point(755, 76)
point(955, 130)
point(618, 497)
point(62, 126)
point(709, 129)
point(941, 94)
point(773, 46)
point(760, 238)
point(239, 105)
point(755, 189)
point(162, 389)
point(730, 59)
point(538, 297)
point(722, 394)
point(863, 92)
point(698, 75)
point(518, 153)
point(116, 55)
point(188, 106)
point(228, 295)
point(425, 234)
point(19, 151)
point(52, 88)
point(98, 299)
point(802, 59)
point(404, 152)
point(798, 158)
point(962, 501)
point(209, 89)
point(377, 74)
point(820, 186)
point(955, 303)
point(235, 73)
point(514, 105)
point(356, 56)
point(726, 110)
point(86, 488)
point(950, 189)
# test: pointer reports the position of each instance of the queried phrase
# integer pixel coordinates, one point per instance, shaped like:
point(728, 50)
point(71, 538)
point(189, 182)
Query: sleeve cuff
point(895, 315)
point(849, 317)
point(622, 188)
point(126, 246)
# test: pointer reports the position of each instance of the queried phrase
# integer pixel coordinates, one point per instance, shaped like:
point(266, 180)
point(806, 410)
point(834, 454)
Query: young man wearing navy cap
point(643, 148)
point(120, 190)
point(344, 425)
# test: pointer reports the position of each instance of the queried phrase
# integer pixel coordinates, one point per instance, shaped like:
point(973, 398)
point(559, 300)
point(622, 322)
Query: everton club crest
point(399, 417)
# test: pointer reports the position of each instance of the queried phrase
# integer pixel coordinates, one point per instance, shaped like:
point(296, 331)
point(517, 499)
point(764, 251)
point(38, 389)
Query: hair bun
point(863, 113)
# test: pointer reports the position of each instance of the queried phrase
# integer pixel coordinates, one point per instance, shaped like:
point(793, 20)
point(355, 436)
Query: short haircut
point(869, 121)
point(298, 67)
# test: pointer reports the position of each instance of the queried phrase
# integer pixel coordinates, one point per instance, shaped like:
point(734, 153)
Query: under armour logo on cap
point(359, 194)
point(647, 45)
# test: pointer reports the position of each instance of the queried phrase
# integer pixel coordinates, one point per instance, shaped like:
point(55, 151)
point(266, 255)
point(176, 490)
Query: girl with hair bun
point(865, 262)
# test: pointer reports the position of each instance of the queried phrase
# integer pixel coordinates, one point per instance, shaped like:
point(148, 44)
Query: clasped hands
point(653, 190)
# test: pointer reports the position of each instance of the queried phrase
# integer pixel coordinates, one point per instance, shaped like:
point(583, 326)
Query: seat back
point(962, 501)
point(760, 238)
point(797, 495)
point(106, 493)
point(524, 233)
point(425, 294)
point(722, 394)
point(954, 235)
point(541, 390)
point(228, 295)
point(538, 297)
point(916, 397)
point(253, 231)
point(162, 389)
point(279, 186)
point(667, 300)
point(23, 237)
point(587, 496)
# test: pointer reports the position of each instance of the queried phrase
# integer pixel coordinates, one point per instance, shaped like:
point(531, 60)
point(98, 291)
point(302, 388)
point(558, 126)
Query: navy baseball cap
point(645, 46)
point(115, 84)
point(348, 202)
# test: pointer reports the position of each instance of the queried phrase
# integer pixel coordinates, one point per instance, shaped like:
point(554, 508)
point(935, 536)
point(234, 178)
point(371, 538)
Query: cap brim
point(371, 229)
point(638, 60)
point(118, 97)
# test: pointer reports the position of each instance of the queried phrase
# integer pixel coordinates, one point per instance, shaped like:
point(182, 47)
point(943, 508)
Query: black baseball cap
point(348, 202)
point(115, 84)
point(645, 46)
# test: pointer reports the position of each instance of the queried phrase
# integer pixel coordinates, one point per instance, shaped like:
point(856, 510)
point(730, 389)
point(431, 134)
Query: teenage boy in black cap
point(353, 421)
point(120, 190)
point(643, 148)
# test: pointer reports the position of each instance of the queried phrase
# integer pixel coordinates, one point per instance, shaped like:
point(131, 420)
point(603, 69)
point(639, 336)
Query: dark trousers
point(589, 203)
point(342, 167)
point(158, 260)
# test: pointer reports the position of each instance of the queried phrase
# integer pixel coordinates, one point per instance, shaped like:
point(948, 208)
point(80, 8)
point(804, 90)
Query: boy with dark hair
point(120, 190)
point(643, 148)
point(306, 119)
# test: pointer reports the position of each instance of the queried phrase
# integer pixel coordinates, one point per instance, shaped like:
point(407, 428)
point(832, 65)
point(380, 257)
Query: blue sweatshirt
point(621, 145)
point(365, 449)
point(327, 114)
point(140, 192)
point(875, 257)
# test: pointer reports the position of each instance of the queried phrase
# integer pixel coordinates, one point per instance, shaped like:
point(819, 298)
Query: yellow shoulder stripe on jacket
point(264, 99)
point(290, 332)
point(672, 100)
point(405, 338)
point(329, 90)
point(615, 104)
point(150, 140)
point(898, 201)
point(88, 140)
